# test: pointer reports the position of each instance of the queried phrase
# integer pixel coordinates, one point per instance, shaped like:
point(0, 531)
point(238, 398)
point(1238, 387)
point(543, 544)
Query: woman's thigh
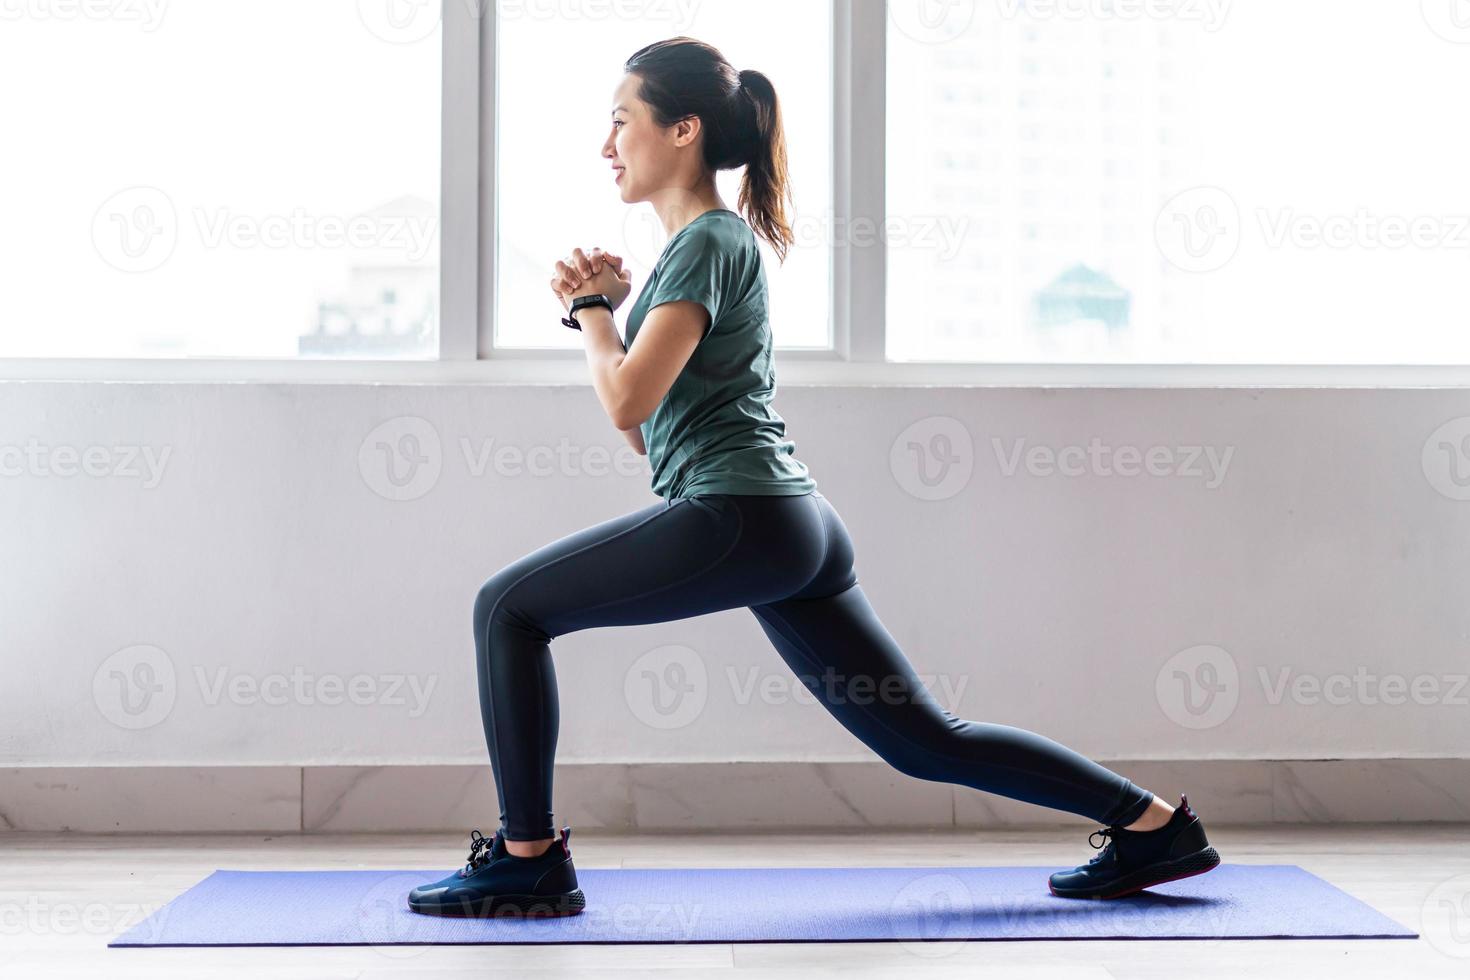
point(834, 642)
point(671, 560)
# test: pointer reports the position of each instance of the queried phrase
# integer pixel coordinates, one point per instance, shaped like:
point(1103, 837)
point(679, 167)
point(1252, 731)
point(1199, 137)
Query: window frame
point(466, 353)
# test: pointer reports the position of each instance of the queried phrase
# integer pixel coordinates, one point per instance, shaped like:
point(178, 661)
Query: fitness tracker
point(582, 302)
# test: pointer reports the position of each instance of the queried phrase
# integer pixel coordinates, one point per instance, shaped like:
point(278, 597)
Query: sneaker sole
point(1156, 874)
point(509, 906)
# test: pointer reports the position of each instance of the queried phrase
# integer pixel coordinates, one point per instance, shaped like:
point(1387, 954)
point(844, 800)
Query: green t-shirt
point(715, 431)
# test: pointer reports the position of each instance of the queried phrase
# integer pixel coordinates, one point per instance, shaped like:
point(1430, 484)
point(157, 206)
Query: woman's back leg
point(842, 652)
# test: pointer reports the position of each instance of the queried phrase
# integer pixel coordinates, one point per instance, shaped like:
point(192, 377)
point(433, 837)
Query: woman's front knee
point(491, 596)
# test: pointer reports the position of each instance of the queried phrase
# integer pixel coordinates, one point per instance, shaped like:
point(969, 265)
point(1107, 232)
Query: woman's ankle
point(528, 848)
point(1156, 816)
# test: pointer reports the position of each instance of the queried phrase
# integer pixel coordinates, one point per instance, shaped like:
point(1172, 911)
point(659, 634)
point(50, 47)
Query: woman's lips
point(619, 176)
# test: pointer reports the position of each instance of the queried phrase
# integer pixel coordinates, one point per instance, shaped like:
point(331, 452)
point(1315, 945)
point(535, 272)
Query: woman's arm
point(630, 384)
point(635, 439)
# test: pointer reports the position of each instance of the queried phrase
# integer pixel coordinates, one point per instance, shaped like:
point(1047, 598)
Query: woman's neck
point(677, 209)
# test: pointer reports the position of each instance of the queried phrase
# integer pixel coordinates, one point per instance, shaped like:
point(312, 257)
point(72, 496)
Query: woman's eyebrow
point(619, 108)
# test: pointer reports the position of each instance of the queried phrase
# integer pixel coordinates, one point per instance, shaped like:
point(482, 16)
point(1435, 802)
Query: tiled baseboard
point(696, 796)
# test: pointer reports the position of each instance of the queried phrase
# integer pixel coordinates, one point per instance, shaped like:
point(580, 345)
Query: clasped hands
point(584, 274)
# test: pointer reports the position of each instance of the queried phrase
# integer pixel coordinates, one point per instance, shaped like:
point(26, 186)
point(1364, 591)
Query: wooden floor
point(62, 897)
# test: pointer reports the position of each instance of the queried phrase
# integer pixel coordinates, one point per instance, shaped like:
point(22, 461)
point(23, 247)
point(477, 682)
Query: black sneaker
point(1137, 859)
point(497, 883)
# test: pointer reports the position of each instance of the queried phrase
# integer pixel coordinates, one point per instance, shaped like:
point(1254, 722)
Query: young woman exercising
point(739, 523)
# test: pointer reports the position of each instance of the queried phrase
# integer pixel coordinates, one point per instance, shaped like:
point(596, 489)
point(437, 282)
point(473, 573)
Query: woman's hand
point(588, 275)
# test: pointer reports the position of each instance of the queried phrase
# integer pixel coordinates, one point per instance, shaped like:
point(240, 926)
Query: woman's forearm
point(604, 353)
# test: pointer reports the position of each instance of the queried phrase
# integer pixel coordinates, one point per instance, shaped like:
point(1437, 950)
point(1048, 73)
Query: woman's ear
point(686, 130)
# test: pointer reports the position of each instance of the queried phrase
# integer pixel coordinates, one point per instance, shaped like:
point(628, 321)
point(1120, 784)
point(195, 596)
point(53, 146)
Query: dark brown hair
point(682, 77)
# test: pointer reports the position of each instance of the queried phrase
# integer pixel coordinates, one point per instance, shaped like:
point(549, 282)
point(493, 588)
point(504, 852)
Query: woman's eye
point(617, 122)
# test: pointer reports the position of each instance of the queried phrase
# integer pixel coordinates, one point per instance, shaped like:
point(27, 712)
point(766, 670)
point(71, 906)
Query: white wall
point(1057, 601)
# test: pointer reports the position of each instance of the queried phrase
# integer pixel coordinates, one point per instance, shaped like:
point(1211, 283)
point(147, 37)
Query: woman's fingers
point(568, 275)
point(562, 288)
point(581, 266)
point(611, 261)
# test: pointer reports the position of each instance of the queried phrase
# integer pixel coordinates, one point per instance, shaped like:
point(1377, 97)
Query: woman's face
point(639, 150)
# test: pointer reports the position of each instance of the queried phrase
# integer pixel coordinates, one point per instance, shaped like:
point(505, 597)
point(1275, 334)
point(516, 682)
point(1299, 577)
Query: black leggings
point(790, 560)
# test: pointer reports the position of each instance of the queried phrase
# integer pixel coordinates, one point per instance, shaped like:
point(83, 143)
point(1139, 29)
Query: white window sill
point(793, 369)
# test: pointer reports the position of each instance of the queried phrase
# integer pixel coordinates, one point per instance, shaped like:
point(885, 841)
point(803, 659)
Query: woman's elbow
point(627, 417)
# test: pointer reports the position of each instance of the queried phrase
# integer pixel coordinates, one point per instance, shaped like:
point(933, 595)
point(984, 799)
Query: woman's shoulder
point(717, 224)
point(711, 233)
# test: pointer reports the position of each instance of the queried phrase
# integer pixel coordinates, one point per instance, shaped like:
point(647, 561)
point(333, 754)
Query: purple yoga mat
point(743, 905)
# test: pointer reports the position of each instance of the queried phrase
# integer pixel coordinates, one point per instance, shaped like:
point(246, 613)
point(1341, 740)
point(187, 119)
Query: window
point(1179, 183)
point(1091, 187)
point(211, 179)
point(555, 192)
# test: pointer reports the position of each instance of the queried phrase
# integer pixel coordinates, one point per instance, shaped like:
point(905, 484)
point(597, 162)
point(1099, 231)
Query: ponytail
point(765, 189)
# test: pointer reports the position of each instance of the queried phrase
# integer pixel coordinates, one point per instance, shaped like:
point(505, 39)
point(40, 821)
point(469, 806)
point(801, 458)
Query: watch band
point(581, 303)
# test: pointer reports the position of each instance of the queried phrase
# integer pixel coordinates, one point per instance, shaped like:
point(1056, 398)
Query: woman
point(740, 522)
